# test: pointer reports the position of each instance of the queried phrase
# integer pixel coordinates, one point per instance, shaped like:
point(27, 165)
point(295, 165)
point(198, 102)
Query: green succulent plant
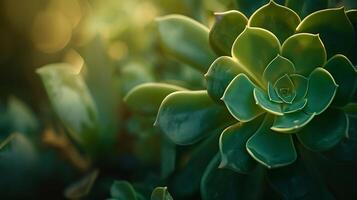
point(278, 83)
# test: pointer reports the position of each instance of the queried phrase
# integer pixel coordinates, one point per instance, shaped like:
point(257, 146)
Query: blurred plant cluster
point(70, 127)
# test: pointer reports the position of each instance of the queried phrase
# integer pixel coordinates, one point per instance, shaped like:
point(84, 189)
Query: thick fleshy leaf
point(291, 122)
point(262, 99)
point(332, 126)
point(186, 40)
point(321, 91)
point(300, 85)
point(226, 29)
point(285, 89)
point(81, 187)
point(71, 101)
point(295, 106)
point(297, 181)
point(352, 16)
point(161, 193)
point(188, 116)
point(191, 175)
point(272, 94)
point(146, 98)
point(255, 48)
point(334, 28)
point(248, 7)
point(280, 20)
point(270, 148)
point(277, 68)
point(345, 75)
point(225, 184)
point(304, 8)
point(306, 51)
point(239, 99)
point(122, 190)
point(168, 156)
point(345, 151)
point(220, 74)
point(232, 142)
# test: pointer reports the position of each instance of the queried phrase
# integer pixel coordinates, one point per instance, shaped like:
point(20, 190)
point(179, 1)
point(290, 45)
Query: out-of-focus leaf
point(305, 7)
point(161, 193)
point(82, 187)
point(333, 127)
point(249, 6)
point(190, 175)
point(123, 190)
point(187, 40)
point(72, 102)
point(146, 98)
point(224, 184)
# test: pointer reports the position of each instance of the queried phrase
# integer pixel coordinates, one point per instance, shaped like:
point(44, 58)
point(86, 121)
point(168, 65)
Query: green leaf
point(22, 119)
point(345, 151)
point(334, 28)
point(191, 175)
point(306, 51)
point(344, 73)
point(297, 182)
point(249, 6)
point(161, 193)
point(352, 16)
point(304, 8)
point(123, 190)
point(291, 122)
point(280, 20)
point(227, 27)
point(146, 98)
point(255, 48)
point(168, 156)
point(297, 105)
point(332, 126)
point(225, 184)
point(220, 74)
point(82, 187)
point(321, 91)
point(270, 148)
point(72, 102)
point(188, 116)
point(232, 142)
point(278, 67)
point(272, 94)
point(262, 99)
point(239, 99)
point(186, 40)
point(300, 85)
point(285, 89)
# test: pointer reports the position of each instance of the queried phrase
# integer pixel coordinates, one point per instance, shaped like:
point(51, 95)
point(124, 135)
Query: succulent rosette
point(279, 66)
point(278, 83)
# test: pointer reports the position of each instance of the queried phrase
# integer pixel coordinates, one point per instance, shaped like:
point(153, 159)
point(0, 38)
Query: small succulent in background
point(124, 190)
point(281, 84)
